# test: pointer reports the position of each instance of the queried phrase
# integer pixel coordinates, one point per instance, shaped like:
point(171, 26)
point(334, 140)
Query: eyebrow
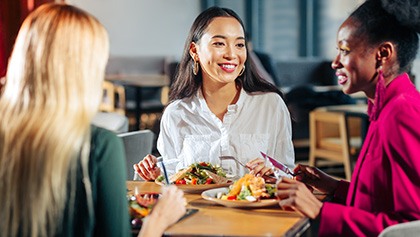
point(341, 45)
point(224, 37)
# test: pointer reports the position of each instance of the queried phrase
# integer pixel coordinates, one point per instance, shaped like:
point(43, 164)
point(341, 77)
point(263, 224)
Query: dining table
point(212, 219)
point(139, 81)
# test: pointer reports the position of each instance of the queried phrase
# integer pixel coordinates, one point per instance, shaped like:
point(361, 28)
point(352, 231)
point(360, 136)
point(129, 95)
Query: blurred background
point(285, 28)
point(293, 39)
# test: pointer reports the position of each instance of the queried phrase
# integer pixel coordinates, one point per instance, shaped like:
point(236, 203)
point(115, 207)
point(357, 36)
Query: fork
point(276, 172)
point(233, 158)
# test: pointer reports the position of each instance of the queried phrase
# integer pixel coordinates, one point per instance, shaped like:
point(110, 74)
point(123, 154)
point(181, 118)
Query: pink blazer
point(385, 185)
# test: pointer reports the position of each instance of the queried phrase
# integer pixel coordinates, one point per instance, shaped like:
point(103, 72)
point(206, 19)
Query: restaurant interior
point(146, 41)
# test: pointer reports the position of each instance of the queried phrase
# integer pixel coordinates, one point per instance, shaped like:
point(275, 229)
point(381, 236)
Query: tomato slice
point(203, 164)
point(181, 181)
point(209, 180)
point(231, 197)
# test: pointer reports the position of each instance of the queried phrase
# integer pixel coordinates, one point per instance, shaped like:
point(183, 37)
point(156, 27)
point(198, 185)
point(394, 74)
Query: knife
point(278, 164)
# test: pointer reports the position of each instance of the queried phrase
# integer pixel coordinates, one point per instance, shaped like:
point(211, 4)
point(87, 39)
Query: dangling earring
point(242, 71)
point(375, 108)
point(195, 67)
point(380, 87)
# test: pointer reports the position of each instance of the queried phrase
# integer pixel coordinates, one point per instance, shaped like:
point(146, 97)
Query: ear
point(386, 52)
point(193, 51)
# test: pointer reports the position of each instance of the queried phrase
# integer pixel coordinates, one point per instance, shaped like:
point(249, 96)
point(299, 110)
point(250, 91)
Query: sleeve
point(111, 207)
point(340, 194)
point(401, 147)
point(168, 142)
point(284, 145)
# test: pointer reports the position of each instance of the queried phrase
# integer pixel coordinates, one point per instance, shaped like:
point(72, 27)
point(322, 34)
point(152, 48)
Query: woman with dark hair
point(376, 47)
point(220, 106)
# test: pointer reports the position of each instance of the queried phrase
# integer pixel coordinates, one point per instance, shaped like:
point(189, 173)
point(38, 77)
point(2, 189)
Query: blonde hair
point(52, 91)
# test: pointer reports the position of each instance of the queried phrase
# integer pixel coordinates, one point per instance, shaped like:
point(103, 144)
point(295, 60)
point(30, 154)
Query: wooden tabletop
point(216, 220)
point(140, 80)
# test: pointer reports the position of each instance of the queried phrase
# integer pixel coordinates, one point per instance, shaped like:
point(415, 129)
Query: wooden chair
point(137, 145)
point(113, 99)
point(334, 138)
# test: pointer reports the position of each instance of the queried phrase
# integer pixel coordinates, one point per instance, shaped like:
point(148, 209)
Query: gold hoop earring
point(242, 71)
point(195, 68)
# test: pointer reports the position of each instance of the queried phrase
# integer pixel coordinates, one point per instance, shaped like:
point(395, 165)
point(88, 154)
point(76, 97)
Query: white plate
point(211, 196)
point(197, 188)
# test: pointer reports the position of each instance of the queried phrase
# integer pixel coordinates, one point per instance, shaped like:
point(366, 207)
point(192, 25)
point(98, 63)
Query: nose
point(335, 64)
point(229, 52)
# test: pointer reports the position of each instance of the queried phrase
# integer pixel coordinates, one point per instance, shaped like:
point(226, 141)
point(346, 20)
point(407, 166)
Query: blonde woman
point(55, 167)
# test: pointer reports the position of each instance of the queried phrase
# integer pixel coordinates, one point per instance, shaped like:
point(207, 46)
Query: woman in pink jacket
point(376, 47)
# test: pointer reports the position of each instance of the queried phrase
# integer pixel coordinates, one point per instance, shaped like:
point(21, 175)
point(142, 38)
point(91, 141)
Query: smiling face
point(355, 63)
point(221, 50)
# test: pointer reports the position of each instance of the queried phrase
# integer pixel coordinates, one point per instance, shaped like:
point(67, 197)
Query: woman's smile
point(228, 67)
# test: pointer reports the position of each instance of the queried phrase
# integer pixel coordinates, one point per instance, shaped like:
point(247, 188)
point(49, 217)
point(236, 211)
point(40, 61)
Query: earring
point(242, 71)
point(195, 67)
point(375, 107)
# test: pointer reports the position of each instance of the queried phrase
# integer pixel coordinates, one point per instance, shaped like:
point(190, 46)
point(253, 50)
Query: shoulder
point(179, 108)
point(267, 98)
point(176, 105)
point(406, 103)
point(101, 135)
point(400, 117)
point(105, 142)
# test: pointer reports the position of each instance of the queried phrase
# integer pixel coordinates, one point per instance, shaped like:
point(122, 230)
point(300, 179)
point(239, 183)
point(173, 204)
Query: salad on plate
point(140, 206)
point(249, 188)
point(200, 173)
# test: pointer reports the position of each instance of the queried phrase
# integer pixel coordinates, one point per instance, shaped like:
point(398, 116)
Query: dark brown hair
point(186, 83)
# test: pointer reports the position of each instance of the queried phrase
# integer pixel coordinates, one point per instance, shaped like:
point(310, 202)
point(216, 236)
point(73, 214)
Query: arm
point(147, 168)
point(111, 207)
point(399, 146)
point(297, 194)
point(168, 143)
point(284, 150)
point(280, 146)
point(168, 210)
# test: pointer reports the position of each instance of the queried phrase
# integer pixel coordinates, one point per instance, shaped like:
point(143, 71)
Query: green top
point(107, 175)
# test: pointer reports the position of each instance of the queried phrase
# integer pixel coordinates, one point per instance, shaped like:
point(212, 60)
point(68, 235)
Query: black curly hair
point(397, 21)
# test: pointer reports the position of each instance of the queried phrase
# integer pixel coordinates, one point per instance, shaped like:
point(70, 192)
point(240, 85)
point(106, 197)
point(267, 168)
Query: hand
point(147, 168)
point(315, 178)
point(296, 196)
point(258, 168)
point(168, 210)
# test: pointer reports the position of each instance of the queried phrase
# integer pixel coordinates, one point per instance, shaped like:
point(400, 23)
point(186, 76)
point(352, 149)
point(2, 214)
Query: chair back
point(137, 145)
point(408, 229)
point(334, 138)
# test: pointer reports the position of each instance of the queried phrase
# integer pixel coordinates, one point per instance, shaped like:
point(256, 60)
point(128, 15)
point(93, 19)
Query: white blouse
point(190, 132)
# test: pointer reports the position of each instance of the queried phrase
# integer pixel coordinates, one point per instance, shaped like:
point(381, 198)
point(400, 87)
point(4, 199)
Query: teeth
point(228, 66)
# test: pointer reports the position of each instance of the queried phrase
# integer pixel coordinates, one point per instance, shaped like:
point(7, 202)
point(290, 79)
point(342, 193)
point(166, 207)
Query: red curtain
point(12, 14)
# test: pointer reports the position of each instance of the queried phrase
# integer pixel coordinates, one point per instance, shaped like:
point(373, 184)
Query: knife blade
point(278, 164)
